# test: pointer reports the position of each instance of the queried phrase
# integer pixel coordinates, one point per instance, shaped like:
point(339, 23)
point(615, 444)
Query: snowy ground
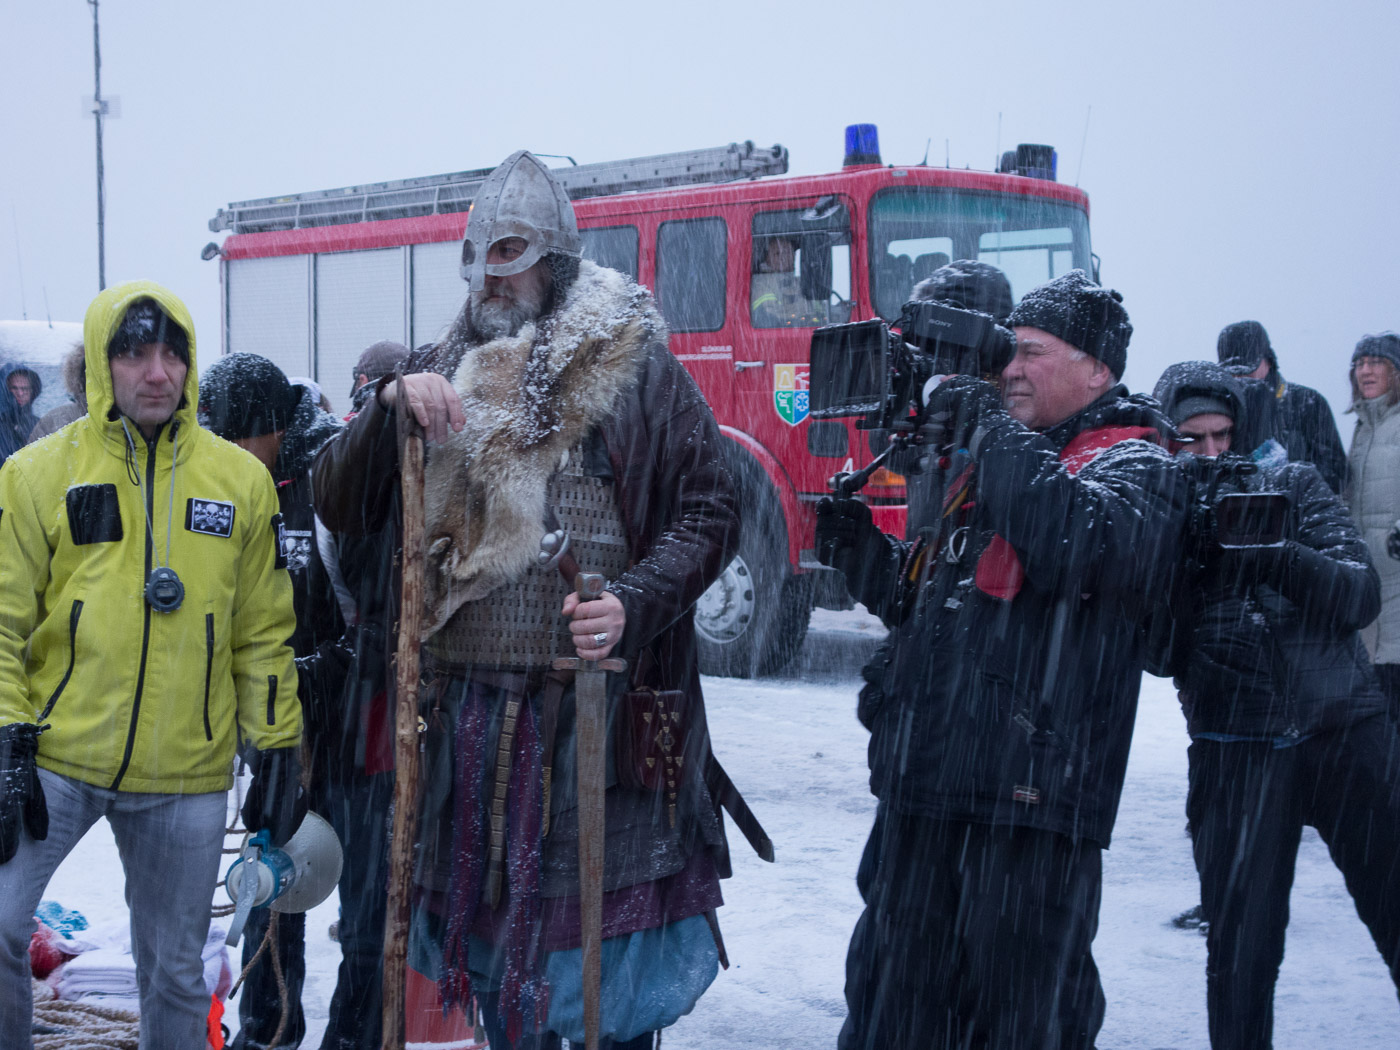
point(793, 746)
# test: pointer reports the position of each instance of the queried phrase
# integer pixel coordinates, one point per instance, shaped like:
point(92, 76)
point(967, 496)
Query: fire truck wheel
point(753, 619)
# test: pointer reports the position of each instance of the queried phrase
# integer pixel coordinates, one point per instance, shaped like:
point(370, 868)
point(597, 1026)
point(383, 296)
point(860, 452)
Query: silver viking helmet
point(519, 199)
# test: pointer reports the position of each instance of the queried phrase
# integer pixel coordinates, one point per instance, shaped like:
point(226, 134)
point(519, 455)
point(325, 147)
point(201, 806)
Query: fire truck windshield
point(914, 231)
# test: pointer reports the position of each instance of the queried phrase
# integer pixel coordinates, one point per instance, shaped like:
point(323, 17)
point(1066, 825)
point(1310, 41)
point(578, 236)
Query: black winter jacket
point(319, 623)
point(1020, 710)
point(1279, 654)
point(1299, 419)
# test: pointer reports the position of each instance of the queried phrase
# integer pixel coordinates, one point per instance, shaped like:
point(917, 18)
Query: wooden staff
point(396, 919)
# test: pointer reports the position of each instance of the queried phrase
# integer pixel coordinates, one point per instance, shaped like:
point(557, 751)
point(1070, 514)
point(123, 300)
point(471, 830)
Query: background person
point(20, 387)
point(143, 630)
point(377, 360)
point(246, 399)
point(1287, 721)
point(1373, 492)
point(775, 290)
point(1296, 416)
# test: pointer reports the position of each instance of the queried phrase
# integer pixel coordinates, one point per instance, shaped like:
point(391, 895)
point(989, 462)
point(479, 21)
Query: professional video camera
point(1225, 517)
point(868, 369)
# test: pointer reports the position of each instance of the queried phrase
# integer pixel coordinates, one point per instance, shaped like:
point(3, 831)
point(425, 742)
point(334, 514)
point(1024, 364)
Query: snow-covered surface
point(793, 746)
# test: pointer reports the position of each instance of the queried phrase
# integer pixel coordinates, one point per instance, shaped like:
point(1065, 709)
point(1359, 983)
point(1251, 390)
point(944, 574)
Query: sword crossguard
point(578, 663)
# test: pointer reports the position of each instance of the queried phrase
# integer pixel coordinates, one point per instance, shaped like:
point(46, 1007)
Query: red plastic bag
point(45, 955)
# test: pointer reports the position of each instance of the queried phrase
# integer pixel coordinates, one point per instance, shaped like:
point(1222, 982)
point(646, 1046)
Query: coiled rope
point(62, 1025)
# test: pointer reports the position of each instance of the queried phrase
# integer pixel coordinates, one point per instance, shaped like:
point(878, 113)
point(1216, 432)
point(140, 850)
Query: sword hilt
point(590, 587)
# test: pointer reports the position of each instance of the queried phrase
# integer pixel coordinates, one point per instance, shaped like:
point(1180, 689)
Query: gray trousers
point(169, 847)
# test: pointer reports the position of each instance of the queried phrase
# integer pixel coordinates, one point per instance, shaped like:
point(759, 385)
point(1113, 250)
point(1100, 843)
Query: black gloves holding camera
point(956, 408)
point(846, 535)
point(21, 794)
point(276, 800)
point(848, 540)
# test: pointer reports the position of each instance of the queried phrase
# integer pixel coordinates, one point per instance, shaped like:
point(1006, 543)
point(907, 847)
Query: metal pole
point(97, 113)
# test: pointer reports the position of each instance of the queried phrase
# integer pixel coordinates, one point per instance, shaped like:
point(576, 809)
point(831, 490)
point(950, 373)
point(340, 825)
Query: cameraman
point(1001, 715)
point(968, 285)
point(1285, 714)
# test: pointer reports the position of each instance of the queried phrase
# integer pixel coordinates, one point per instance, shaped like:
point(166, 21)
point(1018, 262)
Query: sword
point(590, 702)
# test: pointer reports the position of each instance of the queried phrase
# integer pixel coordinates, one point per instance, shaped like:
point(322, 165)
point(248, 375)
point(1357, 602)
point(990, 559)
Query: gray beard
point(493, 321)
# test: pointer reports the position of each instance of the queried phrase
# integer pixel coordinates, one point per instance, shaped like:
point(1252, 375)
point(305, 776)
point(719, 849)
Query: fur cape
point(528, 399)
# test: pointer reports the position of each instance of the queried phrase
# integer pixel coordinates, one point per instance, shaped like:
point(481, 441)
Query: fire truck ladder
point(440, 194)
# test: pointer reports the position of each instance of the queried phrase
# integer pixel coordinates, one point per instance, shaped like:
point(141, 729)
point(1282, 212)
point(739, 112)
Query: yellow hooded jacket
point(139, 699)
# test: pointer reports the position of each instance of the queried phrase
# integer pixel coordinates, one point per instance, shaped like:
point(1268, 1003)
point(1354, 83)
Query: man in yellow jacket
point(145, 610)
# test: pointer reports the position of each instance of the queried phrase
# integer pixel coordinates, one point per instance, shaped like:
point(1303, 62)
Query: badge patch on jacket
point(94, 515)
point(279, 541)
point(295, 545)
point(210, 516)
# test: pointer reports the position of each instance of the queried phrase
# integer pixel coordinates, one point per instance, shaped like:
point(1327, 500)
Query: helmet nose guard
point(521, 198)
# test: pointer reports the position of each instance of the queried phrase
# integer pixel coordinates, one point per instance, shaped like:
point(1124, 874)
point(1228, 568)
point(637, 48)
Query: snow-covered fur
point(528, 399)
point(75, 374)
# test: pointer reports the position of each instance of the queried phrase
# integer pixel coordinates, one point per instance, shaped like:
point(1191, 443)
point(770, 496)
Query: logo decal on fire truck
point(791, 396)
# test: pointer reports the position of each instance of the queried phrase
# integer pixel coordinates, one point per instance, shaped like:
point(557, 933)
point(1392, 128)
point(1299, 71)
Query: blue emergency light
point(862, 145)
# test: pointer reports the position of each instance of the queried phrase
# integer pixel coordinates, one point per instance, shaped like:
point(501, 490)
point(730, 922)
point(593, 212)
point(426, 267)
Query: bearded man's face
point(506, 304)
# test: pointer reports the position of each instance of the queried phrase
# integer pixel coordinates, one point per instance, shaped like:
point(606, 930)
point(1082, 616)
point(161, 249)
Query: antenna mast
point(1084, 142)
point(98, 108)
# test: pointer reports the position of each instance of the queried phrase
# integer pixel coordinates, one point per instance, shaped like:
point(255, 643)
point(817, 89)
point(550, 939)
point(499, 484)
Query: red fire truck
point(744, 261)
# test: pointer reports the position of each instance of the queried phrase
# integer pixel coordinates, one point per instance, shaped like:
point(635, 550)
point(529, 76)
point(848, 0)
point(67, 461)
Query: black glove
point(1241, 568)
point(956, 408)
point(21, 794)
point(845, 530)
point(276, 800)
point(1392, 542)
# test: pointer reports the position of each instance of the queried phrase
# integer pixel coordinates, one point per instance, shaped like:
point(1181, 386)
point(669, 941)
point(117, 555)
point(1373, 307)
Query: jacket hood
point(1187, 382)
point(104, 317)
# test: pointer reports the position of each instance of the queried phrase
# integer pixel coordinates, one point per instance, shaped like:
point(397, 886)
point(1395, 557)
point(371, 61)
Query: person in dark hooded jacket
point(1285, 714)
point(246, 399)
point(20, 388)
point(1295, 416)
point(1001, 719)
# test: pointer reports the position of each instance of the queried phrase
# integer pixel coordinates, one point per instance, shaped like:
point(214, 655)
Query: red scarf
point(999, 571)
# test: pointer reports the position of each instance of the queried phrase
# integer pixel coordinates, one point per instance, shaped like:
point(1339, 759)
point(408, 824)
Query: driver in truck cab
point(776, 290)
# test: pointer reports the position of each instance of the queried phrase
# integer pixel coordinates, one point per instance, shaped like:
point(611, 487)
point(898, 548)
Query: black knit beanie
point(1382, 344)
point(1244, 345)
point(1084, 315)
point(145, 322)
point(970, 284)
point(244, 396)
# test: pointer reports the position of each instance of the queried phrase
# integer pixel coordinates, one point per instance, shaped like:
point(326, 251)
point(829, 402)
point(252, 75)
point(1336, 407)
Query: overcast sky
point(1241, 158)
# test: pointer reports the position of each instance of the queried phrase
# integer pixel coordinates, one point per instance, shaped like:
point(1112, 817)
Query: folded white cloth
point(111, 971)
point(102, 971)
